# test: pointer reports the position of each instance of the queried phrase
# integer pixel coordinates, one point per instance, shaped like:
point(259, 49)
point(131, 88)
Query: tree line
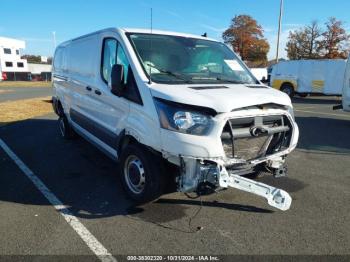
point(314, 42)
point(246, 36)
point(36, 59)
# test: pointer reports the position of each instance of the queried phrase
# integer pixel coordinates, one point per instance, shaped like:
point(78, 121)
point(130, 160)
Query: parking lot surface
point(231, 222)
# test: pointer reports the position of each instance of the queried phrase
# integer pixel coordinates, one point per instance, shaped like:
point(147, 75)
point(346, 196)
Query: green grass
point(25, 84)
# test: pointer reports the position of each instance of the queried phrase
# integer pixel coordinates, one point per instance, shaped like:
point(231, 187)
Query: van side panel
point(82, 58)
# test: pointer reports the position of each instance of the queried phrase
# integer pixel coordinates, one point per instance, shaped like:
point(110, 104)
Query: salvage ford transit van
point(173, 109)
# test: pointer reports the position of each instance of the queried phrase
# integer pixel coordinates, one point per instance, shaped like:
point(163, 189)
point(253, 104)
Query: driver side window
point(109, 57)
point(122, 60)
point(113, 53)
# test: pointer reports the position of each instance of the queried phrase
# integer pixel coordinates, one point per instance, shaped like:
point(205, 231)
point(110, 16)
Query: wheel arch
point(127, 138)
point(289, 83)
point(57, 106)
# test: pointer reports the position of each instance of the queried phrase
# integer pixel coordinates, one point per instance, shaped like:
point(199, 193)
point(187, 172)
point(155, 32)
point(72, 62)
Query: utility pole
point(279, 30)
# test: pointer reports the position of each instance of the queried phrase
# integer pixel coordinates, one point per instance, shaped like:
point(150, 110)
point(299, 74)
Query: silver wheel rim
point(62, 126)
point(134, 174)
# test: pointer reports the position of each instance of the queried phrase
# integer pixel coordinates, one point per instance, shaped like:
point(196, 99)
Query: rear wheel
point(141, 173)
point(288, 89)
point(65, 128)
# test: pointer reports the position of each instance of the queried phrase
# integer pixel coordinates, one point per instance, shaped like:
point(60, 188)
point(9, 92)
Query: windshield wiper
point(230, 80)
point(219, 79)
point(178, 76)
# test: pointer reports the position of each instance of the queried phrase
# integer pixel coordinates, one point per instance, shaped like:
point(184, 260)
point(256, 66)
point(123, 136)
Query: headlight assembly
point(174, 117)
point(291, 111)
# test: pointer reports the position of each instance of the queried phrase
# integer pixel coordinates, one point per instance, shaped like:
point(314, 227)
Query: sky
point(35, 20)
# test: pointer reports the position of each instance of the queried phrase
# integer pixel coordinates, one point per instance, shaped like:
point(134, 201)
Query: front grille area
point(255, 137)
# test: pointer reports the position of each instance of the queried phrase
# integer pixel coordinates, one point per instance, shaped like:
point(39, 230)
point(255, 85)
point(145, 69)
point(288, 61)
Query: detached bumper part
point(276, 197)
point(196, 174)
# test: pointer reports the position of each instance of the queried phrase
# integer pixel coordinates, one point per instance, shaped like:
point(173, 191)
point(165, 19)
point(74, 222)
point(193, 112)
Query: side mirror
point(117, 80)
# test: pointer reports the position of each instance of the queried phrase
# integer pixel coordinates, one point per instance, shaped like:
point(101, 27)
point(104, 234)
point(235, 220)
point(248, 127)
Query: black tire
point(65, 128)
point(288, 89)
point(141, 173)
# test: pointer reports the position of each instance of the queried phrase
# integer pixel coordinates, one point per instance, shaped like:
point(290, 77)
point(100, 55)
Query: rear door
point(60, 78)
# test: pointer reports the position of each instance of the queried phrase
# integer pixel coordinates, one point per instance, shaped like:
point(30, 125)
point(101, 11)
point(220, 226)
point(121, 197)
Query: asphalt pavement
point(231, 222)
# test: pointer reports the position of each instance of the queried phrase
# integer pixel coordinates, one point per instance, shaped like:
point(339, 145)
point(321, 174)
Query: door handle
point(88, 88)
point(98, 92)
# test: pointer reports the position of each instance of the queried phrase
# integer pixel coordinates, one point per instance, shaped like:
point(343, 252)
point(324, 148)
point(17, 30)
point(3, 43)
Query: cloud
point(174, 14)
point(31, 39)
point(268, 29)
point(213, 28)
point(272, 39)
point(271, 36)
point(292, 25)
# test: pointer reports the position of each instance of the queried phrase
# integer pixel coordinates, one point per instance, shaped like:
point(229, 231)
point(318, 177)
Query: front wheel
point(288, 89)
point(140, 174)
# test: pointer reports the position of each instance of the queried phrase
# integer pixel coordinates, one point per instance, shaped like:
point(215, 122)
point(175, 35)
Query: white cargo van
point(309, 76)
point(174, 109)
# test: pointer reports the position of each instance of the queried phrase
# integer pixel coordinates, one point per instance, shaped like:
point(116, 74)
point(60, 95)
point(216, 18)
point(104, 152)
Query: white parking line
point(96, 247)
point(321, 113)
point(304, 107)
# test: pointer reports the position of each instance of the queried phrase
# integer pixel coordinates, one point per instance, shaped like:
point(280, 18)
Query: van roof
point(141, 31)
point(162, 32)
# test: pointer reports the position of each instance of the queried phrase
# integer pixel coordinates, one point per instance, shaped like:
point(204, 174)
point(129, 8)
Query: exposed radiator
point(255, 137)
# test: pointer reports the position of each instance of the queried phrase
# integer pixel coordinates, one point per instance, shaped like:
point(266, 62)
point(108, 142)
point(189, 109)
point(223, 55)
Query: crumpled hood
point(220, 99)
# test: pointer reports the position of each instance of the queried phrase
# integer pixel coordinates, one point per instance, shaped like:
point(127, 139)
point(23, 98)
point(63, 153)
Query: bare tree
point(305, 43)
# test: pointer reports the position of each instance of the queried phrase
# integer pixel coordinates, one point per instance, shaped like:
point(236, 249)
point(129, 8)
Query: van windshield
point(174, 60)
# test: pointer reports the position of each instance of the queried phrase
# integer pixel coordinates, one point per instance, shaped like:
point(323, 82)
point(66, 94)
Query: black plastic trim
point(102, 133)
point(60, 77)
point(207, 87)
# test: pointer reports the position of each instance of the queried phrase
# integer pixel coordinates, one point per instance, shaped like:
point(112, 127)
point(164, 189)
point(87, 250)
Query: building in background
point(39, 72)
point(12, 67)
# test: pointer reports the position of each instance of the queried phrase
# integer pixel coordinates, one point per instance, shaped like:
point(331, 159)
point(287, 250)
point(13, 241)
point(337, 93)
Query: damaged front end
point(250, 143)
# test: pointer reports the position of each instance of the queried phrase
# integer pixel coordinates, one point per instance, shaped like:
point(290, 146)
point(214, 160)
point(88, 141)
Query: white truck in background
point(260, 74)
point(345, 105)
point(305, 77)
